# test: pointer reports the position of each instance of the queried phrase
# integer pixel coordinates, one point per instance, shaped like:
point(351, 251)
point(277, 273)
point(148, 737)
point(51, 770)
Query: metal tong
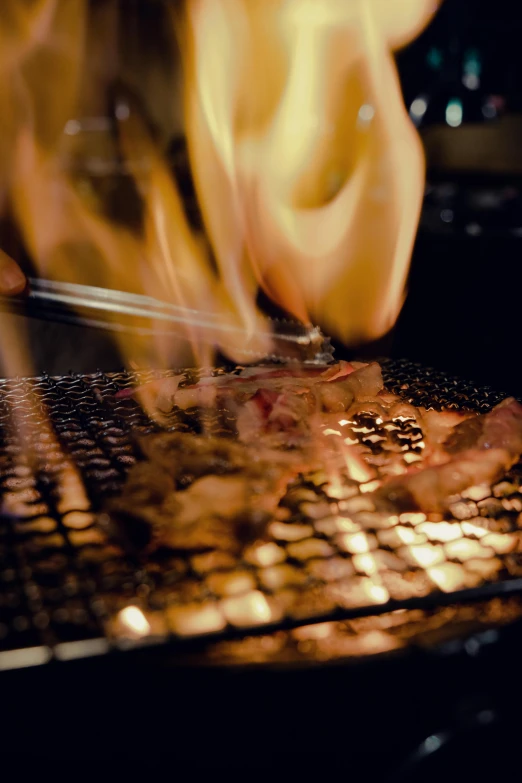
point(121, 311)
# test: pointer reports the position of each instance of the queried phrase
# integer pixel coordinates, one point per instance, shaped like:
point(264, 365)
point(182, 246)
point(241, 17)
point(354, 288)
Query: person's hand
point(12, 279)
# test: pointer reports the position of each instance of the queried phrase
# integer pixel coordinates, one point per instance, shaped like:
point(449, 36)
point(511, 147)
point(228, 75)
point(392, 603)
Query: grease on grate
point(67, 584)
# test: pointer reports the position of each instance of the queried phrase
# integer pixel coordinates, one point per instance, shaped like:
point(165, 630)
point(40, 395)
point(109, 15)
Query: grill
point(334, 580)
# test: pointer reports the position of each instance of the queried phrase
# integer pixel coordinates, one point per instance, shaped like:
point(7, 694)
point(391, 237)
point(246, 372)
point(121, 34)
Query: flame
point(301, 147)
point(65, 229)
point(181, 261)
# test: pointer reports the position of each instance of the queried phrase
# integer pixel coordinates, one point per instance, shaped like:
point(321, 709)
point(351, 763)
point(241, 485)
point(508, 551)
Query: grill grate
point(66, 445)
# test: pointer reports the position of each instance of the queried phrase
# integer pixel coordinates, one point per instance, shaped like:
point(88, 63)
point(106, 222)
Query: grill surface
point(66, 445)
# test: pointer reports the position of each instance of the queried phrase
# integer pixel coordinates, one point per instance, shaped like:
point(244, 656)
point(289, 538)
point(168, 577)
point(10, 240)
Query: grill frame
point(103, 473)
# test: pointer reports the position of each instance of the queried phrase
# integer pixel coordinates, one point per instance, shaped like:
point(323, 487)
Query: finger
point(12, 279)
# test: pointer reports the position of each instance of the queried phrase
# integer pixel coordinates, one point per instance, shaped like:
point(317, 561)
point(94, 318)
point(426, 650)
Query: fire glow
point(301, 130)
point(300, 147)
point(309, 175)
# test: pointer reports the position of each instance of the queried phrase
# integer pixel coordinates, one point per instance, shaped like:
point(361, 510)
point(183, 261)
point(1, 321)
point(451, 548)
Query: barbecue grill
point(420, 676)
point(67, 444)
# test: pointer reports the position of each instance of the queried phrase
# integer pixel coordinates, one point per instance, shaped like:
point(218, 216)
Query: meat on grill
point(274, 401)
point(478, 451)
point(194, 492)
point(351, 380)
point(287, 412)
point(204, 492)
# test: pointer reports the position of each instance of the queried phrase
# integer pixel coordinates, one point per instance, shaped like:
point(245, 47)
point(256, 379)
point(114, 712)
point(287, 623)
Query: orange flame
point(308, 169)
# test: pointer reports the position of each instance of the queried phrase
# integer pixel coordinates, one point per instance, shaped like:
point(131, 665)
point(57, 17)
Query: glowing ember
point(363, 430)
point(413, 518)
point(265, 554)
point(406, 535)
point(502, 544)
point(378, 594)
point(486, 569)
point(280, 576)
point(411, 458)
point(346, 525)
point(371, 486)
point(365, 564)
point(312, 547)
point(132, 620)
point(356, 543)
point(357, 468)
point(425, 556)
point(351, 441)
point(465, 549)
point(250, 609)
point(477, 493)
point(318, 631)
point(440, 531)
point(193, 619)
point(231, 583)
point(293, 532)
point(395, 536)
point(337, 490)
point(356, 504)
point(450, 576)
point(470, 529)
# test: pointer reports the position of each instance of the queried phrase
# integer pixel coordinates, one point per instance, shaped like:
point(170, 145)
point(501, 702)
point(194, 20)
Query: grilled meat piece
point(464, 436)
point(232, 491)
point(503, 428)
point(289, 410)
point(429, 489)
point(439, 428)
point(479, 451)
point(198, 492)
point(274, 401)
point(189, 457)
point(352, 380)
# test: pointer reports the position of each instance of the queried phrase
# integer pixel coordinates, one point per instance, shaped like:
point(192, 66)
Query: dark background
point(463, 309)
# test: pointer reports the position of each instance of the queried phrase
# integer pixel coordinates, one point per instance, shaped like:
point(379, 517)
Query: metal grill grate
point(66, 445)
